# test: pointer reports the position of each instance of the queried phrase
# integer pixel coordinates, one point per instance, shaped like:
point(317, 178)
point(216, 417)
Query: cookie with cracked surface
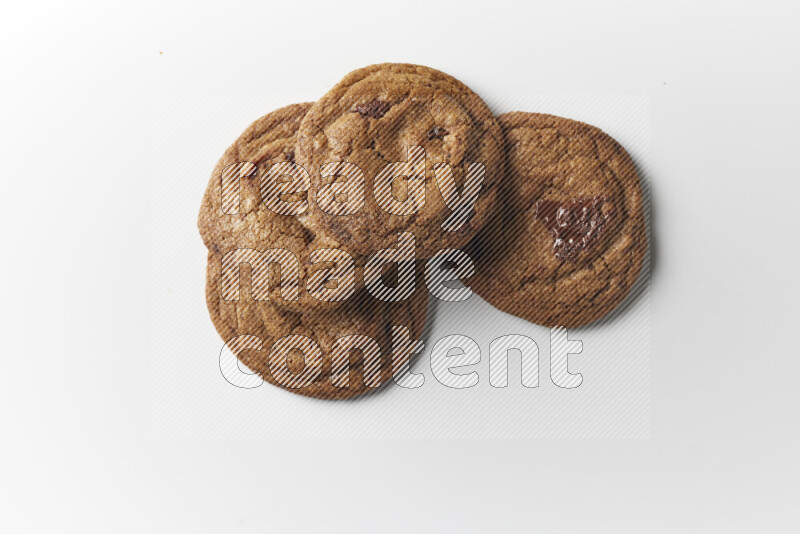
point(569, 237)
point(300, 367)
point(369, 120)
point(235, 214)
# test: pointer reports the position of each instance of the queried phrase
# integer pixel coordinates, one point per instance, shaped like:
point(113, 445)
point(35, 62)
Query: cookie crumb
point(437, 133)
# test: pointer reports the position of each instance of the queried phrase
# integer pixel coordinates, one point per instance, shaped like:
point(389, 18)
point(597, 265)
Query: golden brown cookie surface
point(369, 120)
point(568, 241)
point(239, 219)
point(363, 315)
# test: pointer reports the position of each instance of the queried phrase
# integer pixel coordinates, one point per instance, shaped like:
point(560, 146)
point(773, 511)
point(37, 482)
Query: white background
point(77, 450)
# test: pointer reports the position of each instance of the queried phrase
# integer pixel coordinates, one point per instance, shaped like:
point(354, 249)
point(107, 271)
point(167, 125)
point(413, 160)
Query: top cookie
point(569, 238)
point(369, 120)
point(229, 221)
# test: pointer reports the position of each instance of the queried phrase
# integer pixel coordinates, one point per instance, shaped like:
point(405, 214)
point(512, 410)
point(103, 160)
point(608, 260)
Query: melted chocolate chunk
point(437, 133)
point(374, 109)
point(575, 225)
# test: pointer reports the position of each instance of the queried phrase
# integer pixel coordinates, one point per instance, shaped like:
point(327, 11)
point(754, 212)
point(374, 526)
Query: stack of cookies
point(321, 217)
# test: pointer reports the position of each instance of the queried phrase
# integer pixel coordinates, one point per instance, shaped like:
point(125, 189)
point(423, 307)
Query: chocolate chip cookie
point(568, 239)
point(314, 370)
point(241, 217)
point(371, 183)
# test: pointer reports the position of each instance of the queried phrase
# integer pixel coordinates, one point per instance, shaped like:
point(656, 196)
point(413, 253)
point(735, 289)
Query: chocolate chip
point(437, 133)
point(575, 225)
point(374, 109)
